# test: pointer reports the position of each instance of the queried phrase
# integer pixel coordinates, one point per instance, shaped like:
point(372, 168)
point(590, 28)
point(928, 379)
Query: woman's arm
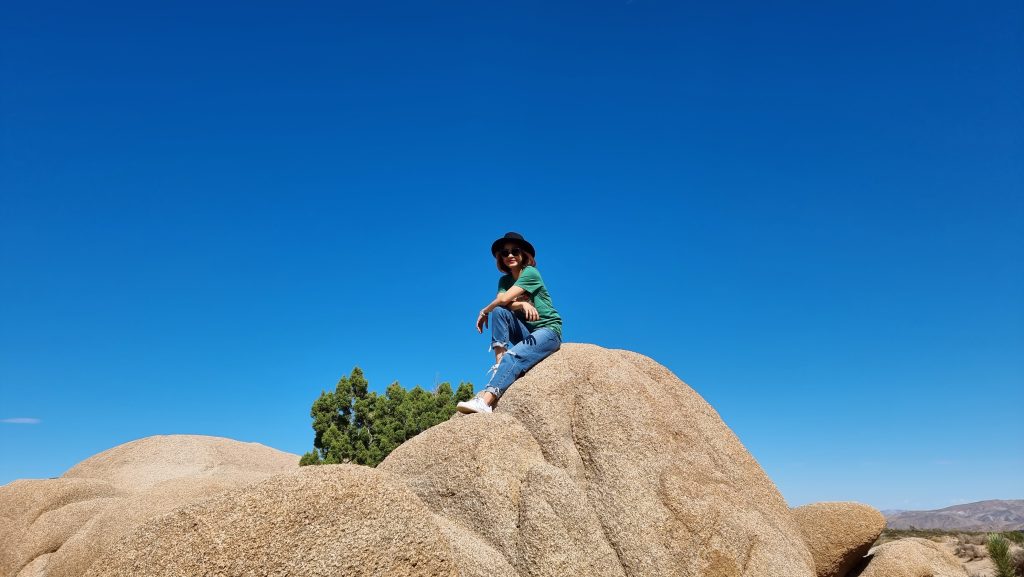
point(526, 307)
point(502, 300)
point(523, 306)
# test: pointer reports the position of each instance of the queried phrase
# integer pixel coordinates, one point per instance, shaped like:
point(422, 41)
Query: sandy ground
point(975, 567)
point(980, 568)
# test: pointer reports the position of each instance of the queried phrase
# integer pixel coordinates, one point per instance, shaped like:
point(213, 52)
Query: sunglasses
point(514, 251)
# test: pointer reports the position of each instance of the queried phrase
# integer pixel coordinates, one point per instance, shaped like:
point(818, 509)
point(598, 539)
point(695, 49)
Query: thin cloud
point(21, 421)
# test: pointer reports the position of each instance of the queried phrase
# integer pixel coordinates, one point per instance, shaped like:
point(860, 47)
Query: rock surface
point(602, 462)
point(320, 521)
point(913, 557)
point(598, 462)
point(838, 534)
point(57, 527)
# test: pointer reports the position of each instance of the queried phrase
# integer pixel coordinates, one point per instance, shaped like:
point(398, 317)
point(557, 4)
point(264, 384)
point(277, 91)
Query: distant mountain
point(995, 515)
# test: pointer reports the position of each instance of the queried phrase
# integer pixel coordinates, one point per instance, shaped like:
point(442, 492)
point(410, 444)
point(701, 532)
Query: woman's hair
point(527, 258)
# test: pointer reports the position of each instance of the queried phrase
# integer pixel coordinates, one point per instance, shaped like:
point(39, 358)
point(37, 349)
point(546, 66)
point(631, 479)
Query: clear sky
point(811, 212)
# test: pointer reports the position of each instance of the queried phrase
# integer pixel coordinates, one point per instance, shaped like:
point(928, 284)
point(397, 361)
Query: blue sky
point(810, 212)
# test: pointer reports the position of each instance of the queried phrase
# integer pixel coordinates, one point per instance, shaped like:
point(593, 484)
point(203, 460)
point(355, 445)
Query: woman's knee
point(502, 321)
point(503, 314)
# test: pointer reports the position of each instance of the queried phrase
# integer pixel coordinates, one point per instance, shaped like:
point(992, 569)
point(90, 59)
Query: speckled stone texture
point(838, 534)
point(57, 527)
point(913, 557)
point(602, 462)
point(320, 521)
point(598, 463)
point(487, 474)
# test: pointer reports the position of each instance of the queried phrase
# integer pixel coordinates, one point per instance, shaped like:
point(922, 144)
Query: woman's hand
point(529, 311)
point(481, 322)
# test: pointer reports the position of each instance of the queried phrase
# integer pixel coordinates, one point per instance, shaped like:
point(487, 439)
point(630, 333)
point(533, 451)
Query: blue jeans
point(523, 349)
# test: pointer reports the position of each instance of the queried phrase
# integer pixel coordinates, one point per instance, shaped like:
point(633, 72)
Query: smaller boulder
point(838, 534)
point(913, 557)
point(58, 527)
point(317, 522)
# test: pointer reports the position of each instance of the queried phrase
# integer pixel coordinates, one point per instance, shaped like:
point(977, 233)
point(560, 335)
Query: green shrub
point(354, 425)
point(999, 551)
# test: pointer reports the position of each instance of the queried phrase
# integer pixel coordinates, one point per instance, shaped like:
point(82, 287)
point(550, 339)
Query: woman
point(525, 327)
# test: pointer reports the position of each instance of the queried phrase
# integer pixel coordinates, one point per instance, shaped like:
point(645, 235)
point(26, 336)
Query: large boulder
point(37, 517)
point(487, 474)
point(141, 465)
point(913, 557)
point(598, 462)
point(838, 534)
point(320, 521)
point(603, 462)
point(57, 527)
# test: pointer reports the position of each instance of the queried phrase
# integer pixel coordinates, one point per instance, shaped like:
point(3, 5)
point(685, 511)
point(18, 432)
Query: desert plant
point(1015, 536)
point(931, 534)
point(970, 551)
point(962, 548)
point(999, 552)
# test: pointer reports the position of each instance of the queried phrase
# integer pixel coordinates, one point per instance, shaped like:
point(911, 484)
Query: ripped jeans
point(523, 349)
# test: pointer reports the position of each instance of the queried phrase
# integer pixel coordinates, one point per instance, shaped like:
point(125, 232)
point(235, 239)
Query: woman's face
point(511, 255)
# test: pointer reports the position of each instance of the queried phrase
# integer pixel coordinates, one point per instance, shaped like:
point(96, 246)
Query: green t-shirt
point(530, 281)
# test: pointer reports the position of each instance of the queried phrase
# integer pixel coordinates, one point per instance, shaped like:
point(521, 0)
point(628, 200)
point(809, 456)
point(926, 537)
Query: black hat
point(516, 238)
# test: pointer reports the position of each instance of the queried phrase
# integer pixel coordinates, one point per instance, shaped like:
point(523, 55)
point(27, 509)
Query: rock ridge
point(597, 462)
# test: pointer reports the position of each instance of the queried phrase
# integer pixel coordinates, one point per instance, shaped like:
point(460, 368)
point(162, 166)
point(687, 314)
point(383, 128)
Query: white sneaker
point(474, 405)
